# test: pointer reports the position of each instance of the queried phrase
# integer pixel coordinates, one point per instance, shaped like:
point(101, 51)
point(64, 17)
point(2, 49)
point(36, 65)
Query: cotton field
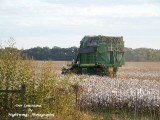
point(136, 85)
point(118, 91)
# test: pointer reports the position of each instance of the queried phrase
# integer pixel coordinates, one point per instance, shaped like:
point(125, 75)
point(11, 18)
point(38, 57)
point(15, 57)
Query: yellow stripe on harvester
point(87, 65)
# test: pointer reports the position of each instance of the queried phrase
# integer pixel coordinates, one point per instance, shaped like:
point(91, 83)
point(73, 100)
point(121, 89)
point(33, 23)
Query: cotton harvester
point(101, 55)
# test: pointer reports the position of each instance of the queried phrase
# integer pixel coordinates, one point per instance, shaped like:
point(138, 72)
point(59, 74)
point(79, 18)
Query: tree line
point(55, 53)
point(142, 54)
point(68, 54)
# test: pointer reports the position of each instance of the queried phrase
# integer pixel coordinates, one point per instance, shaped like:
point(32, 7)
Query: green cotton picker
point(98, 55)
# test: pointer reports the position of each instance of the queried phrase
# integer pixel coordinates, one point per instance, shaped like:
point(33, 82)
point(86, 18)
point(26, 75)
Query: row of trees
point(56, 53)
point(67, 54)
point(142, 54)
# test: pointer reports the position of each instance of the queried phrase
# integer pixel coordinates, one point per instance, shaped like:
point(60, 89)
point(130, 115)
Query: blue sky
point(64, 22)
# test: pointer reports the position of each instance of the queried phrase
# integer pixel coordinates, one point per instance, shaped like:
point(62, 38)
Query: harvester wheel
point(75, 70)
point(99, 71)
